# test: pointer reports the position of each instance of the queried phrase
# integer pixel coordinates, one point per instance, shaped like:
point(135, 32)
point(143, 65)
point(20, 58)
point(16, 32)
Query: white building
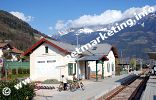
point(48, 61)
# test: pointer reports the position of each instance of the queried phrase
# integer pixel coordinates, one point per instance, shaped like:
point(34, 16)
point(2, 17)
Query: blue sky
point(46, 13)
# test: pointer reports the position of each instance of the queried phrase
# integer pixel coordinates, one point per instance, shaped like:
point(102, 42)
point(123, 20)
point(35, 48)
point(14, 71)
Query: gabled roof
point(97, 52)
point(66, 46)
point(13, 49)
point(101, 49)
point(3, 45)
point(52, 43)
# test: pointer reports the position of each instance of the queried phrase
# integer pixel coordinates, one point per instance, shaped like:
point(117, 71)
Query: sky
point(49, 16)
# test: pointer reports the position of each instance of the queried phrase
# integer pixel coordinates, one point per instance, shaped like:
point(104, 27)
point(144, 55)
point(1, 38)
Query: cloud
point(21, 16)
point(107, 17)
point(61, 25)
point(131, 11)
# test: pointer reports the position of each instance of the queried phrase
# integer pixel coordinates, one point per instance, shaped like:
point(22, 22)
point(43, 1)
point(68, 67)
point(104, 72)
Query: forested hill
point(17, 32)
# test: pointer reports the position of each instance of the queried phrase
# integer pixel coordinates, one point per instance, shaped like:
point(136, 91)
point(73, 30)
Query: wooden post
point(96, 72)
point(16, 71)
point(85, 69)
point(102, 71)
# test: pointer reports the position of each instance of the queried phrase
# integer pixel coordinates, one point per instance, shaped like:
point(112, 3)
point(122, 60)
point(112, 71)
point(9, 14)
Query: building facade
point(48, 61)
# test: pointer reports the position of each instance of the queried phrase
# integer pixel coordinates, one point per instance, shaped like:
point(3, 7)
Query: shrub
point(28, 71)
point(24, 71)
point(25, 93)
point(137, 67)
point(20, 71)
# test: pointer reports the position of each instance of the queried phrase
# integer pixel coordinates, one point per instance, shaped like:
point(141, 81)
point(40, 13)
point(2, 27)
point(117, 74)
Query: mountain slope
point(132, 41)
point(17, 32)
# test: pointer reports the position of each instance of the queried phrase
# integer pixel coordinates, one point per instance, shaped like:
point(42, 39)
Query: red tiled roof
point(30, 50)
point(15, 50)
point(3, 44)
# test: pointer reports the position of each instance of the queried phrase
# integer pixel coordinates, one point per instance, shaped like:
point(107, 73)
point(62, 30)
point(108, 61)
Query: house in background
point(48, 61)
point(10, 51)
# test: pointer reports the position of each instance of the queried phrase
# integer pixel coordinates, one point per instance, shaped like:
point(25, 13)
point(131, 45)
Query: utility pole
point(141, 64)
point(122, 62)
point(77, 42)
point(121, 57)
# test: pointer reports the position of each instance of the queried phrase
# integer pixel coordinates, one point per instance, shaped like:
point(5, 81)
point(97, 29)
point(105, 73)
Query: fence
point(16, 67)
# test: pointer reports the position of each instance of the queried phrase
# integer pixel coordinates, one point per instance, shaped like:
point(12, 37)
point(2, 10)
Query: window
point(51, 61)
point(94, 48)
point(74, 68)
point(112, 66)
point(71, 68)
point(46, 49)
point(108, 67)
point(40, 61)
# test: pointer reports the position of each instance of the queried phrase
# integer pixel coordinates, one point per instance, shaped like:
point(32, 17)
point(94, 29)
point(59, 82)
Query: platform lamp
point(77, 42)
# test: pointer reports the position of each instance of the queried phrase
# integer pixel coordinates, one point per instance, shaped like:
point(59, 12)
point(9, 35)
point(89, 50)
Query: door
point(46, 67)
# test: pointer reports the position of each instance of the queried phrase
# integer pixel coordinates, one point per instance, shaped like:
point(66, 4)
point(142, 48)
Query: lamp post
point(77, 42)
point(141, 64)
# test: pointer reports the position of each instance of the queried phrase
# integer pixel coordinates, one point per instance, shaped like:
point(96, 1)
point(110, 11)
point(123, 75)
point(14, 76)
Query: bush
point(20, 71)
point(25, 93)
point(137, 67)
point(28, 71)
point(24, 71)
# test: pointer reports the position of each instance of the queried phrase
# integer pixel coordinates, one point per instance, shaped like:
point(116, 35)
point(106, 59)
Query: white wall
point(1, 52)
point(53, 70)
point(110, 56)
point(111, 61)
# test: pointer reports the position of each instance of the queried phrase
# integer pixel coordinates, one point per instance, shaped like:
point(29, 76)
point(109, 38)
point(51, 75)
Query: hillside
point(17, 32)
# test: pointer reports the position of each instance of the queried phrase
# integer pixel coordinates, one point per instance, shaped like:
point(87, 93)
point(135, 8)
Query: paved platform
point(150, 91)
point(93, 90)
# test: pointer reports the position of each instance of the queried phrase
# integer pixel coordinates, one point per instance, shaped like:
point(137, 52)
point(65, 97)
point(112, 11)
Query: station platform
point(150, 91)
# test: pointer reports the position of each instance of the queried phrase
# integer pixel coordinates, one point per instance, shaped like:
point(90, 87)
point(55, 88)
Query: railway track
point(130, 90)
